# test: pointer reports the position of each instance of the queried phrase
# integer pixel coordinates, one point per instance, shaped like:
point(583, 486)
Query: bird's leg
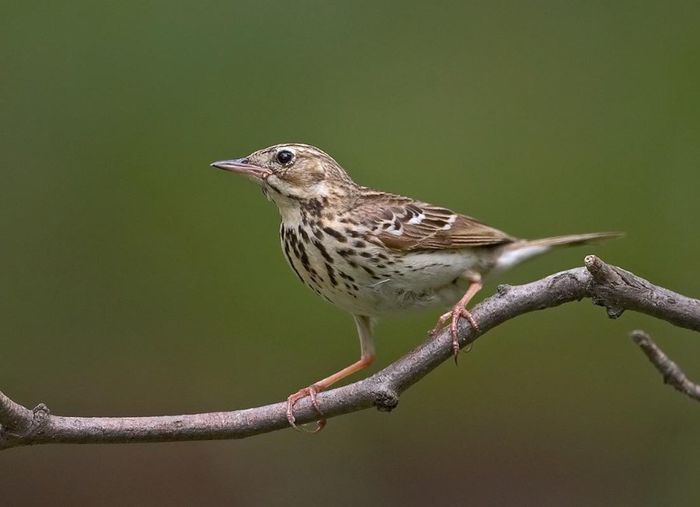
point(364, 330)
point(319, 386)
point(460, 310)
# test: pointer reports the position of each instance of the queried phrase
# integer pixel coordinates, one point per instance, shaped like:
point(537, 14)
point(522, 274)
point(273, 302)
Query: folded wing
point(403, 224)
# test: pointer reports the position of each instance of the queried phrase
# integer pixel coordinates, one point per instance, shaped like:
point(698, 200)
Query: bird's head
point(290, 174)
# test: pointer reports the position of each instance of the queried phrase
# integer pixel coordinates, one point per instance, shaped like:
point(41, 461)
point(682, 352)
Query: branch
point(671, 372)
point(609, 286)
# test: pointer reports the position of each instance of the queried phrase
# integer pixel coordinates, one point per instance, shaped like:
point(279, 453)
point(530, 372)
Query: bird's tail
point(521, 250)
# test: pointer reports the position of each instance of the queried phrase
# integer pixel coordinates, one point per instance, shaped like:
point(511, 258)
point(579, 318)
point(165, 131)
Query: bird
point(373, 253)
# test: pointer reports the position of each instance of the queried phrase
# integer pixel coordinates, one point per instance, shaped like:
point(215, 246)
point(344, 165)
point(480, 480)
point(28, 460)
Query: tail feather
point(519, 251)
point(573, 239)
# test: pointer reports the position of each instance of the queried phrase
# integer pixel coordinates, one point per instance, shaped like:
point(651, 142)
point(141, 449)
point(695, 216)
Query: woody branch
point(611, 287)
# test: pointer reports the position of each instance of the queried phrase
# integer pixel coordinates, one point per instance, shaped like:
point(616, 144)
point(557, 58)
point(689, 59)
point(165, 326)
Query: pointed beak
point(244, 167)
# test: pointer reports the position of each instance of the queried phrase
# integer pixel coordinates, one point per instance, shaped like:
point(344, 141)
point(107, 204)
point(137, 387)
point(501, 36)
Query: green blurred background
point(136, 280)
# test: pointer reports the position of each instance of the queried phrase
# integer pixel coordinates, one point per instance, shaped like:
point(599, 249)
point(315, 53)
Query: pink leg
point(364, 330)
point(319, 386)
point(459, 310)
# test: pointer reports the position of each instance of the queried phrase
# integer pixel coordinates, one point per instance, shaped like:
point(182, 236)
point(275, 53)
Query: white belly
point(416, 281)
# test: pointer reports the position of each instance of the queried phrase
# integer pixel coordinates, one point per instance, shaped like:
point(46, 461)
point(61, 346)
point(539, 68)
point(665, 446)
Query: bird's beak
point(244, 167)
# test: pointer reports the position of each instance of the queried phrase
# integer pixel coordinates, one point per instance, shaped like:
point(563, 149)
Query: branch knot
point(605, 279)
point(40, 418)
point(385, 398)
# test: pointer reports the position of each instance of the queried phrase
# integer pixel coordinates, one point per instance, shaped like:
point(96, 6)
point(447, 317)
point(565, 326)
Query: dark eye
point(285, 157)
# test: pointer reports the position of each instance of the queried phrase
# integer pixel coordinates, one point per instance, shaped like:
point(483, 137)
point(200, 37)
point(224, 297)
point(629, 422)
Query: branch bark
point(671, 372)
point(611, 287)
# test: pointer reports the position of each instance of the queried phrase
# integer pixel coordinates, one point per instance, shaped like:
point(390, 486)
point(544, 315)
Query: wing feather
point(403, 224)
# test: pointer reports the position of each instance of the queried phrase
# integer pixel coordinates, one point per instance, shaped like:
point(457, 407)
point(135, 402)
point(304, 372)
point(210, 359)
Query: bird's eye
point(285, 157)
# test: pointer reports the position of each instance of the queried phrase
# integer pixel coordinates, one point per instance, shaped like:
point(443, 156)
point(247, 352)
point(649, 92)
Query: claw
point(456, 313)
point(311, 392)
point(364, 329)
point(453, 317)
point(442, 320)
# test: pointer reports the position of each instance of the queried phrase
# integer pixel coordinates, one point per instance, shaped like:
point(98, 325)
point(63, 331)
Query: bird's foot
point(311, 392)
point(453, 317)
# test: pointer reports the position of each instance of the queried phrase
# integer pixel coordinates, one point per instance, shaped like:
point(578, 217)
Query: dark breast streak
point(326, 259)
point(294, 249)
point(310, 248)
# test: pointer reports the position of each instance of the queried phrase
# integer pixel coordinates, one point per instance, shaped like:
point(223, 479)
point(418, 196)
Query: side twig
point(671, 372)
point(609, 286)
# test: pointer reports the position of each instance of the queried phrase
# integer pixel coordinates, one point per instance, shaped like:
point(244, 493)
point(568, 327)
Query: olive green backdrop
point(134, 279)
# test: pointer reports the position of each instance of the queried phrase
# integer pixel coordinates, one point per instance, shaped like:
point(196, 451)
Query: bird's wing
point(403, 224)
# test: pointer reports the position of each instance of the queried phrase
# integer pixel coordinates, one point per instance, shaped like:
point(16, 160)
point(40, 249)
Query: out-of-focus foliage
point(134, 279)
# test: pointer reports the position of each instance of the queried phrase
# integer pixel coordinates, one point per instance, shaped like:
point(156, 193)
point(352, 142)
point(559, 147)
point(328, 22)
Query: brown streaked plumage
point(373, 253)
point(408, 225)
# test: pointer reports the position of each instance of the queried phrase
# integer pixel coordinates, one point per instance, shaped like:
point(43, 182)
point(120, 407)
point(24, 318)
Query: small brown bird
point(373, 253)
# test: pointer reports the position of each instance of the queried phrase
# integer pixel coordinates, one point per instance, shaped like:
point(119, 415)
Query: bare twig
point(614, 288)
point(671, 372)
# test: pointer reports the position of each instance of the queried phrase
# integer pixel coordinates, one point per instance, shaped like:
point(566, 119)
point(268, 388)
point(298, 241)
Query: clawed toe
point(467, 315)
point(453, 317)
point(456, 314)
point(311, 392)
point(440, 324)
